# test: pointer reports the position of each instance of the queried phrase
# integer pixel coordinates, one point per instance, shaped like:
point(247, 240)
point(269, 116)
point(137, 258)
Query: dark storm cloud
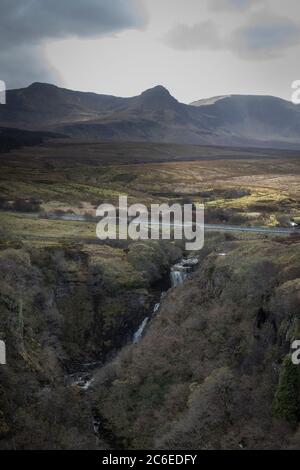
point(23, 65)
point(26, 24)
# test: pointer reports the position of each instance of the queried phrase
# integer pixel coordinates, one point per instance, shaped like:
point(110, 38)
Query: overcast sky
point(195, 48)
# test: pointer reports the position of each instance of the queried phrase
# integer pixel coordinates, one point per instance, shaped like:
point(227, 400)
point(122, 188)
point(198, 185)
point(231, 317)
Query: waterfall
point(180, 271)
point(177, 276)
point(156, 308)
point(87, 384)
point(81, 380)
point(138, 334)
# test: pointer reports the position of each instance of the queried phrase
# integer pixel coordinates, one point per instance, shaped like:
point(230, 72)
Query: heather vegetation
point(215, 359)
point(61, 306)
point(242, 187)
point(213, 367)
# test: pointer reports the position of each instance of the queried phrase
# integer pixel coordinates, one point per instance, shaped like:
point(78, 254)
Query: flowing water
point(178, 273)
point(84, 377)
point(139, 333)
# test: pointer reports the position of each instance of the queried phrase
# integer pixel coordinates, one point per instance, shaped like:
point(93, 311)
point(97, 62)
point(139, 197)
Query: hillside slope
point(154, 116)
point(214, 369)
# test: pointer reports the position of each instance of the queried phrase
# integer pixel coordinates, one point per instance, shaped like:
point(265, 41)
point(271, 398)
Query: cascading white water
point(180, 271)
point(156, 308)
point(138, 334)
point(177, 277)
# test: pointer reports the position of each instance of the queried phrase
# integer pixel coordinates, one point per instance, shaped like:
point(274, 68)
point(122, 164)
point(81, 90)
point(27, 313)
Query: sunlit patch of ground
point(77, 177)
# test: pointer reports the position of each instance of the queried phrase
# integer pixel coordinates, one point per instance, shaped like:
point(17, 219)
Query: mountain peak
point(157, 97)
point(41, 86)
point(154, 116)
point(157, 90)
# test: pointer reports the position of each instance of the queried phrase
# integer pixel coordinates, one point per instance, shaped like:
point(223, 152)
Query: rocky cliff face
point(212, 370)
point(61, 306)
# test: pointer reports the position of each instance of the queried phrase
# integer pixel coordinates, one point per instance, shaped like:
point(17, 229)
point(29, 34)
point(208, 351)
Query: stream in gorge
point(178, 273)
point(84, 377)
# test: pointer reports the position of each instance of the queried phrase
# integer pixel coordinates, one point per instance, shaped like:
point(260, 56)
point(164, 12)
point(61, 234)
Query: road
point(207, 227)
point(239, 228)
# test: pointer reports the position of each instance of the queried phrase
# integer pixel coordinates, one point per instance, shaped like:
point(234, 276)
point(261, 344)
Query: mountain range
point(154, 116)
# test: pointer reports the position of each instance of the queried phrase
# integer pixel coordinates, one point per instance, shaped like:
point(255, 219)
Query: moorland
point(213, 368)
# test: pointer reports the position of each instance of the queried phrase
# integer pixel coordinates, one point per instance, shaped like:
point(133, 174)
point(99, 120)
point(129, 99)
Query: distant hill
point(263, 119)
point(154, 116)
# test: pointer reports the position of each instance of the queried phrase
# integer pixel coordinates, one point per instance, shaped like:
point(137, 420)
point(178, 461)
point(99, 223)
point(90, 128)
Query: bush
point(287, 398)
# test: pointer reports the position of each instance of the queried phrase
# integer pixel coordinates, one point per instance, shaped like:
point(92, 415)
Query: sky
point(195, 48)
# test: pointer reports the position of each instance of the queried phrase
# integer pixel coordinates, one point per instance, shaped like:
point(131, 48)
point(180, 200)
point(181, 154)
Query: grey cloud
point(25, 25)
point(198, 36)
point(232, 4)
point(263, 36)
point(20, 66)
